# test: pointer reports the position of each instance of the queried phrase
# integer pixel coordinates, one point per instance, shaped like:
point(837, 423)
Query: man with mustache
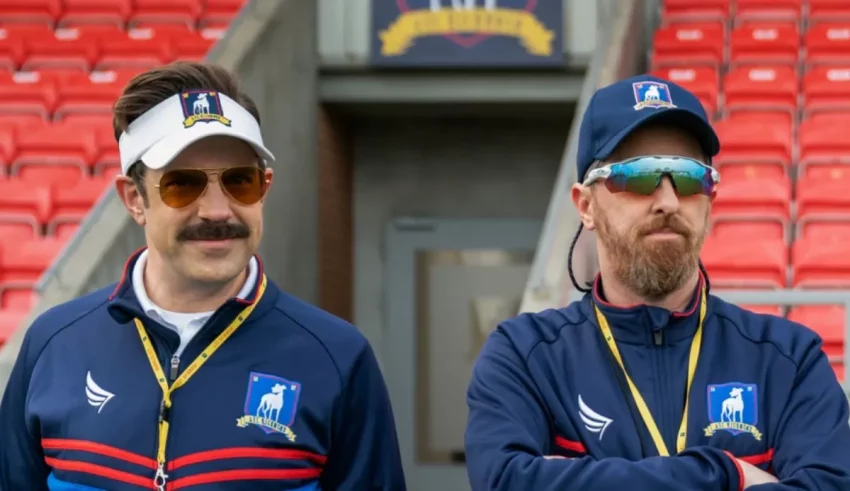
point(650, 383)
point(195, 370)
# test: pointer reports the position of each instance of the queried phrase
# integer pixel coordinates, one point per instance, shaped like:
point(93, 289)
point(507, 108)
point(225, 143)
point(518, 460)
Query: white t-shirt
point(186, 325)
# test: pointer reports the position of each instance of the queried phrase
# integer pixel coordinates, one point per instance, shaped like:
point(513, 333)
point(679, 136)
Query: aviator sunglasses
point(179, 188)
point(643, 175)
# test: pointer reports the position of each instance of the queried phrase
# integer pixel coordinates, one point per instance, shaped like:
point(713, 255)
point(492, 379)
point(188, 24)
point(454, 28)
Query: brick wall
point(336, 251)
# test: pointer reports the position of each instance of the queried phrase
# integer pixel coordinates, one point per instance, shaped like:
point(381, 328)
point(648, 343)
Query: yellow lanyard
point(165, 406)
point(693, 358)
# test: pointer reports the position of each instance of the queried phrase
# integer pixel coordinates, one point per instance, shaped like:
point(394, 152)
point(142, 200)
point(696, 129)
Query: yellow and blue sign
point(271, 404)
point(733, 407)
point(467, 33)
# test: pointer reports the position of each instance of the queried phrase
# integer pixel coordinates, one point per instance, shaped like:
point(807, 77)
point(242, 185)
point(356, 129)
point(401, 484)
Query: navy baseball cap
point(615, 111)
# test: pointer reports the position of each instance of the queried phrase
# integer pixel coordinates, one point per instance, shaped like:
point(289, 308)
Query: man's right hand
point(753, 476)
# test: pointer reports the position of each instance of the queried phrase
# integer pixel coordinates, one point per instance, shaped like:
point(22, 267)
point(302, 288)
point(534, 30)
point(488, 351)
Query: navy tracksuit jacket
point(82, 405)
point(546, 385)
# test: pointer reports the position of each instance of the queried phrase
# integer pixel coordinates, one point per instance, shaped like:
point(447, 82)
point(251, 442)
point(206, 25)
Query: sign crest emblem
point(202, 106)
point(466, 23)
point(733, 407)
point(271, 404)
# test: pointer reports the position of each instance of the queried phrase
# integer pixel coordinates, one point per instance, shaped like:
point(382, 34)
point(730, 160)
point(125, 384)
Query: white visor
point(159, 135)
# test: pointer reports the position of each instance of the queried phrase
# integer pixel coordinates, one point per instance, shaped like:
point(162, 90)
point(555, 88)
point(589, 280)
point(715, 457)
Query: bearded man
point(650, 383)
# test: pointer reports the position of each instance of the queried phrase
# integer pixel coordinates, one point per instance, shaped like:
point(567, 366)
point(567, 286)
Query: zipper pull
point(659, 337)
point(161, 478)
point(175, 364)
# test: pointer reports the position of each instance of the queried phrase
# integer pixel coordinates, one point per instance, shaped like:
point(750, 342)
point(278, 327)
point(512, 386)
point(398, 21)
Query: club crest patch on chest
point(733, 407)
point(270, 404)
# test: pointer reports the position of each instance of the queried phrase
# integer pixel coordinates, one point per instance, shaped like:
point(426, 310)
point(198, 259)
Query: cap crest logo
point(654, 95)
point(201, 106)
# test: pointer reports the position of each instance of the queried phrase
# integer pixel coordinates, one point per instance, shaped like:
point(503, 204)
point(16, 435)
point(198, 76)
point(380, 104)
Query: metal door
point(449, 283)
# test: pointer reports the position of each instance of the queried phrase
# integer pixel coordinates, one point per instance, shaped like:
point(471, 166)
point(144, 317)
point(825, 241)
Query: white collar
point(150, 308)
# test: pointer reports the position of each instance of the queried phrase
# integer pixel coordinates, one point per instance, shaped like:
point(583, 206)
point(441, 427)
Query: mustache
point(214, 231)
point(672, 223)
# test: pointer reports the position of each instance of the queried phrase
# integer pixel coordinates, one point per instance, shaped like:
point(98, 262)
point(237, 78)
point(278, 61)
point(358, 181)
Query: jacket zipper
point(161, 478)
point(660, 381)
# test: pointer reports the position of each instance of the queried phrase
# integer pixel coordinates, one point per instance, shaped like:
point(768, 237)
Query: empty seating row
point(713, 45)
point(775, 88)
point(53, 100)
point(764, 263)
point(741, 12)
point(99, 51)
point(67, 12)
point(86, 148)
point(38, 203)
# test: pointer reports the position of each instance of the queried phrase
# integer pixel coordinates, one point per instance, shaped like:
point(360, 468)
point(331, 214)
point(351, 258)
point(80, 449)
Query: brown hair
point(148, 89)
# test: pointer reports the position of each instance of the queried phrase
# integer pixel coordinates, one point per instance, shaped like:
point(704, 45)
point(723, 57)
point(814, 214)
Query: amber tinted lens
point(181, 187)
point(244, 184)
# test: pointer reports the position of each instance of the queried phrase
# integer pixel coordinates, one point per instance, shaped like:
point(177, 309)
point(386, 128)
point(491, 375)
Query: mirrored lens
point(642, 176)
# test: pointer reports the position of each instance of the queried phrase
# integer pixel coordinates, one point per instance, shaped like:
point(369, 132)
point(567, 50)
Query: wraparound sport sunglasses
point(643, 175)
point(180, 188)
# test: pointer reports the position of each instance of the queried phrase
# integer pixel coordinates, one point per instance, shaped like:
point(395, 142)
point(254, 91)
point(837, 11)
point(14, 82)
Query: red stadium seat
point(820, 263)
point(827, 321)
point(90, 32)
point(27, 99)
point(702, 81)
point(18, 227)
point(828, 10)
point(826, 89)
point(13, 40)
point(78, 12)
point(823, 139)
point(19, 122)
point(55, 52)
point(745, 262)
point(64, 228)
point(767, 197)
point(741, 224)
point(26, 261)
point(17, 200)
point(673, 11)
point(191, 48)
point(166, 12)
point(89, 97)
point(790, 11)
point(55, 154)
point(694, 45)
point(823, 196)
point(127, 52)
point(764, 44)
point(40, 11)
point(57, 143)
point(217, 12)
point(828, 43)
point(813, 226)
point(7, 147)
point(18, 295)
point(754, 141)
point(761, 88)
point(76, 201)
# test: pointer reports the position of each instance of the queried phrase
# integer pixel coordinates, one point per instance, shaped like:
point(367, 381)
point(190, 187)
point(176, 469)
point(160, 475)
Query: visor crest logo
point(202, 106)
